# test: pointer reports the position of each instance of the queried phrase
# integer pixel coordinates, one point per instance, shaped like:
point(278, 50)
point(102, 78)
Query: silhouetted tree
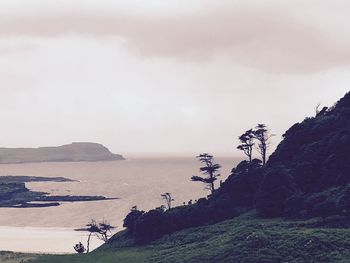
point(210, 170)
point(130, 219)
point(247, 143)
point(317, 108)
point(320, 112)
point(262, 134)
point(79, 248)
point(105, 231)
point(168, 199)
point(101, 230)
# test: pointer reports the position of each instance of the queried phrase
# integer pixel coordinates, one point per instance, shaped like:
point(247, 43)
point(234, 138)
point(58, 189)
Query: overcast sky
point(166, 76)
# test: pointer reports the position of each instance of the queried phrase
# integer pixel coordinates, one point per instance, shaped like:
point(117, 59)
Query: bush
point(276, 188)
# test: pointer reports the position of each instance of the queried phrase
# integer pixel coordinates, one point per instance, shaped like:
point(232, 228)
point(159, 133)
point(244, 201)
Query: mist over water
point(135, 181)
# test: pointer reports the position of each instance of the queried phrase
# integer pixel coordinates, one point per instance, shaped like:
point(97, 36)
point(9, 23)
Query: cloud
point(273, 37)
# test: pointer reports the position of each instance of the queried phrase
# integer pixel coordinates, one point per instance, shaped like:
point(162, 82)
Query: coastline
point(42, 240)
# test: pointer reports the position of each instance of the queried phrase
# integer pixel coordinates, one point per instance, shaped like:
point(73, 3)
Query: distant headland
point(74, 152)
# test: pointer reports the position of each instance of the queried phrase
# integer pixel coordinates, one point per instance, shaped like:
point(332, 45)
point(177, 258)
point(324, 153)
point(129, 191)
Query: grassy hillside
point(244, 239)
point(11, 257)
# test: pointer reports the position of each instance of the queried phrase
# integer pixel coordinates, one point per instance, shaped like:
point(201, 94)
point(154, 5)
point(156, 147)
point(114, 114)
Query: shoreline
point(42, 240)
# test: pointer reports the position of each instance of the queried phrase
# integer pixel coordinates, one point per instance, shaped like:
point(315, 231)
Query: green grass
point(11, 257)
point(244, 240)
point(125, 255)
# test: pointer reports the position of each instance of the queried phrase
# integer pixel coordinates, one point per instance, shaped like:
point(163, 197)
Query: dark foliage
point(316, 155)
point(210, 170)
point(276, 187)
point(131, 218)
point(247, 143)
point(263, 136)
point(307, 176)
point(235, 196)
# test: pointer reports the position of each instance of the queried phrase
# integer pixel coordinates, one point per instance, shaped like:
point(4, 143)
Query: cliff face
point(75, 152)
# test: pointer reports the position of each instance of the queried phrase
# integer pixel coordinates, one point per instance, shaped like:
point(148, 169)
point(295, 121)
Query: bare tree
point(247, 143)
point(262, 134)
point(102, 231)
point(210, 170)
point(168, 199)
point(317, 108)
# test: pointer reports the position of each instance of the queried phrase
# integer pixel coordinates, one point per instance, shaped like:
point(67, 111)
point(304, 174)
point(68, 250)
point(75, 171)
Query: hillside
point(309, 173)
point(75, 152)
point(301, 197)
point(244, 239)
point(308, 176)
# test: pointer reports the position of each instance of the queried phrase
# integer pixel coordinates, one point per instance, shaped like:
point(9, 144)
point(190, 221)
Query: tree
point(131, 218)
point(210, 169)
point(79, 248)
point(262, 134)
point(167, 197)
point(102, 231)
point(247, 143)
point(320, 112)
point(276, 188)
point(150, 226)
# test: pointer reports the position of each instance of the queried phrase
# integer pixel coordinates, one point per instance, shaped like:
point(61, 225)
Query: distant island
point(74, 152)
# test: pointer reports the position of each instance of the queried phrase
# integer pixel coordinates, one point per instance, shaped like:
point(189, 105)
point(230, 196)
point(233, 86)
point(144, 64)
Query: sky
point(166, 76)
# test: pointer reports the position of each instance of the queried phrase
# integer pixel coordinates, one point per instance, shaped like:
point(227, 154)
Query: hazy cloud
point(288, 38)
point(166, 75)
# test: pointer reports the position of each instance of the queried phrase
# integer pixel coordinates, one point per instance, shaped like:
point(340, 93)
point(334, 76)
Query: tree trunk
point(88, 243)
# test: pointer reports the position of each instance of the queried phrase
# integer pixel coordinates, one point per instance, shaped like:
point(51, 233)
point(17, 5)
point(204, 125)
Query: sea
point(137, 181)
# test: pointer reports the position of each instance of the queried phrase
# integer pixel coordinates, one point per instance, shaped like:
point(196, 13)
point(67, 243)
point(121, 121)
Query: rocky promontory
point(14, 193)
point(75, 152)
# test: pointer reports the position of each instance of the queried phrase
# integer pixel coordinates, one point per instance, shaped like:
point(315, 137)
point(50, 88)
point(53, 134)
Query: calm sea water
point(135, 181)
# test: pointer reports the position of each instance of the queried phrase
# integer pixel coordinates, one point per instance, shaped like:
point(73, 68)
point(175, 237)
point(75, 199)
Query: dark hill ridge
point(317, 151)
point(308, 176)
point(75, 152)
point(313, 162)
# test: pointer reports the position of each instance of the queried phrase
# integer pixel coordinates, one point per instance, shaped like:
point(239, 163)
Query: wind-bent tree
point(247, 143)
point(262, 134)
point(102, 231)
point(168, 199)
point(210, 170)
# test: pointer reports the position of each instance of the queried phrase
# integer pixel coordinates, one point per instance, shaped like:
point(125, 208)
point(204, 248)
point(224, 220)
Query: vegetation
point(245, 239)
point(247, 143)
point(210, 170)
point(307, 176)
point(11, 257)
point(263, 136)
point(168, 199)
point(313, 161)
point(307, 179)
point(102, 230)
